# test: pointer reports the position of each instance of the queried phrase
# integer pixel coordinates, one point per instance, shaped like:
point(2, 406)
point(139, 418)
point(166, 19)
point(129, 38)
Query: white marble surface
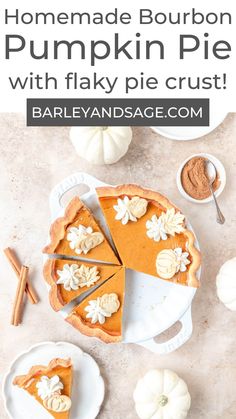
point(33, 160)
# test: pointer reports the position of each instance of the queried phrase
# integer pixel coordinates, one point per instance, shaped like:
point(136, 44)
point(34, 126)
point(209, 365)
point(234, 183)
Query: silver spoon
point(211, 174)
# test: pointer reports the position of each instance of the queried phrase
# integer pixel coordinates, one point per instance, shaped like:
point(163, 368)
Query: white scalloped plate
point(20, 405)
point(192, 133)
point(151, 304)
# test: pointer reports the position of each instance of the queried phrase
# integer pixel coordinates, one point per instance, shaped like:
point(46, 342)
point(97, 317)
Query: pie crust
point(76, 214)
point(58, 296)
point(135, 190)
point(111, 330)
point(135, 249)
point(61, 367)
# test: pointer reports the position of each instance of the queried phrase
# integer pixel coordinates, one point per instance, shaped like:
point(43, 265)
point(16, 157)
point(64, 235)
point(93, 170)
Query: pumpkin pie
point(150, 233)
point(78, 234)
point(100, 314)
point(69, 279)
point(50, 385)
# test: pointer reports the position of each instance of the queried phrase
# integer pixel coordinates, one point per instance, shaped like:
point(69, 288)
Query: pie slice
point(100, 314)
point(69, 279)
point(149, 233)
point(51, 386)
point(77, 233)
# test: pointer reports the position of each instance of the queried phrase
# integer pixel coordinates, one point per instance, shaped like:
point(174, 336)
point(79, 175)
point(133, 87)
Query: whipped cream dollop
point(49, 386)
point(73, 277)
point(130, 209)
point(182, 259)
point(82, 239)
point(171, 261)
point(155, 229)
point(169, 223)
point(102, 307)
point(68, 277)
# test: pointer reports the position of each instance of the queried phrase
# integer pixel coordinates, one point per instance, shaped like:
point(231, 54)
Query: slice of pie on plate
point(149, 233)
point(100, 314)
point(77, 233)
point(50, 385)
point(68, 279)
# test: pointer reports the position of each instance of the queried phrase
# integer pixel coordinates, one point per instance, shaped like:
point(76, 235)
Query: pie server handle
point(79, 178)
point(174, 343)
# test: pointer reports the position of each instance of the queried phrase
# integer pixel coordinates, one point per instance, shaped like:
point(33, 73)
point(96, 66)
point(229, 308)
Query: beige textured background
point(32, 161)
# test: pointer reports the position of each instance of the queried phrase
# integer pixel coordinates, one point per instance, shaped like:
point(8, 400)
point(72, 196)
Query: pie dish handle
point(79, 178)
point(174, 343)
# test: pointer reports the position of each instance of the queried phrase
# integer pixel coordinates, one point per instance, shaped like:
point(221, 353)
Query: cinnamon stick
point(15, 264)
point(19, 299)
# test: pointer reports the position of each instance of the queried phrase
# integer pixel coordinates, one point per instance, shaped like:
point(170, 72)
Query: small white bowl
point(220, 170)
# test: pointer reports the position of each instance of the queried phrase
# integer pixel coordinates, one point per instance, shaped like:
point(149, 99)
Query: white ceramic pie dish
point(151, 305)
point(221, 173)
point(20, 405)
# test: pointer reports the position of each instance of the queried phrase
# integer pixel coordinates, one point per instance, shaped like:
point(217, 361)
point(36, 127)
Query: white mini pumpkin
point(226, 284)
point(101, 145)
point(161, 394)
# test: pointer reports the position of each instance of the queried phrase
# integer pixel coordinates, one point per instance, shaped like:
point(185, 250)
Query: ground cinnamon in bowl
point(194, 179)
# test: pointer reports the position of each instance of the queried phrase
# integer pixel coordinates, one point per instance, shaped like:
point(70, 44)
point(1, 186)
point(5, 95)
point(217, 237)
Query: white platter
point(191, 133)
point(20, 405)
point(151, 304)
